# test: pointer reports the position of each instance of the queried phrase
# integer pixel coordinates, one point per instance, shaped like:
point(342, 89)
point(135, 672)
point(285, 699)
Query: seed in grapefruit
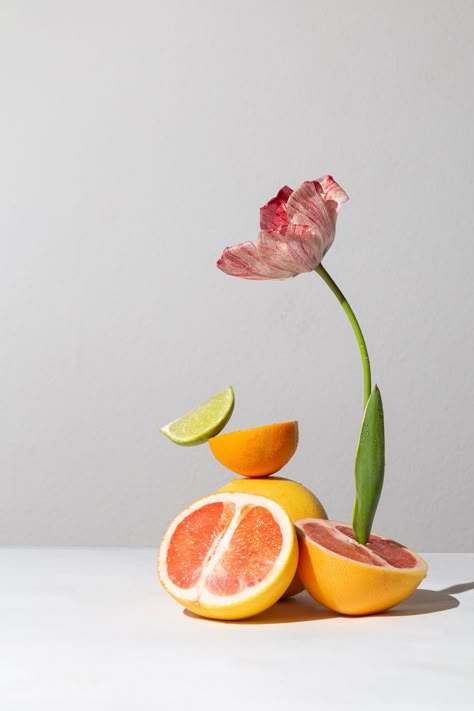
point(296, 499)
point(228, 556)
point(351, 578)
point(256, 452)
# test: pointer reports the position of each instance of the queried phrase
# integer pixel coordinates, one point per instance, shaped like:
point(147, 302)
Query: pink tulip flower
point(297, 227)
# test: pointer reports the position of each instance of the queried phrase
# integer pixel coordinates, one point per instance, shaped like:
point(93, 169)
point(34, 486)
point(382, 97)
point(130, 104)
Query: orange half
point(351, 578)
point(256, 452)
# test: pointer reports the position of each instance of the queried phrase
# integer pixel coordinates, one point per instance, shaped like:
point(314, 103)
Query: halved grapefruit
point(229, 556)
point(351, 578)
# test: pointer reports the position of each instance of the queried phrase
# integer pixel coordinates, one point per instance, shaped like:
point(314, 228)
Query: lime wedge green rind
point(203, 422)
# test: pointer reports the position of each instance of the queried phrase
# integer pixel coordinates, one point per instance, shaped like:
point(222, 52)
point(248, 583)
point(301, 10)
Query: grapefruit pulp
point(228, 556)
point(351, 578)
point(294, 498)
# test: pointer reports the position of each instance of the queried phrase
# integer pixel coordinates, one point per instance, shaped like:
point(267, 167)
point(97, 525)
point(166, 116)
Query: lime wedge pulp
point(205, 421)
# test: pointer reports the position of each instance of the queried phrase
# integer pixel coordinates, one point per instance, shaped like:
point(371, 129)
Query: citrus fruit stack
point(260, 537)
point(258, 453)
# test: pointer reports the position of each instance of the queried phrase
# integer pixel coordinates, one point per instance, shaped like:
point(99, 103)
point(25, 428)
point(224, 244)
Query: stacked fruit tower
point(262, 537)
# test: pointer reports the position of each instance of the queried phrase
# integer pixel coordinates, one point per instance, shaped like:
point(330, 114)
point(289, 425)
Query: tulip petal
point(306, 206)
point(332, 192)
point(244, 261)
point(273, 214)
point(294, 249)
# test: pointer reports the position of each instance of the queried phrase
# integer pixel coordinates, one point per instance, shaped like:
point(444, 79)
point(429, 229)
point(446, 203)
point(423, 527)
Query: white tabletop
point(92, 629)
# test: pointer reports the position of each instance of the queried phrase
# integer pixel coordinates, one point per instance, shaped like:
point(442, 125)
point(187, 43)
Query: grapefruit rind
point(252, 600)
point(297, 500)
point(353, 587)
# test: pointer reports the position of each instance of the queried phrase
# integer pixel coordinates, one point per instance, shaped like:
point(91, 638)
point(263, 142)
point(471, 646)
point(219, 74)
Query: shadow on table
point(423, 602)
point(302, 608)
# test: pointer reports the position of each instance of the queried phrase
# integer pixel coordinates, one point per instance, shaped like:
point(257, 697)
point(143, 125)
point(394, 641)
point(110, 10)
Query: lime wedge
point(205, 421)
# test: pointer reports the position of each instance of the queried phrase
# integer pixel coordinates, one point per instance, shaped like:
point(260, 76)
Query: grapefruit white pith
point(293, 497)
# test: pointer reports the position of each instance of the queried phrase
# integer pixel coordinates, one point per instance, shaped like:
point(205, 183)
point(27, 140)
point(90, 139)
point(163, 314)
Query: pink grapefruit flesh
point(351, 578)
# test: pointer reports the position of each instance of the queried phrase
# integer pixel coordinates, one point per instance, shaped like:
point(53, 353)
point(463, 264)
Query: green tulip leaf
point(369, 467)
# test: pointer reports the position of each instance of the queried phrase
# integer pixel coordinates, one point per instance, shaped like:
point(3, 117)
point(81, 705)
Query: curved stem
point(355, 327)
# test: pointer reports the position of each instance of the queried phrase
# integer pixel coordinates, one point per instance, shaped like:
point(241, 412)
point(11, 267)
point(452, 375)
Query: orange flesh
point(393, 553)
point(250, 554)
point(256, 452)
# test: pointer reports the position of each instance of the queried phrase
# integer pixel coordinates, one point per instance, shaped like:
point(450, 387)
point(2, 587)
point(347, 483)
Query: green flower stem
point(355, 327)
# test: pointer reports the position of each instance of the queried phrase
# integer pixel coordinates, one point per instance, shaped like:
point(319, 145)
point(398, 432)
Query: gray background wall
point(137, 141)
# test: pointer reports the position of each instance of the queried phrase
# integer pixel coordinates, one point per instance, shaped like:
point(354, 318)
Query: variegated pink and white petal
point(332, 194)
point(273, 214)
point(307, 207)
point(244, 261)
point(297, 229)
point(331, 191)
point(294, 249)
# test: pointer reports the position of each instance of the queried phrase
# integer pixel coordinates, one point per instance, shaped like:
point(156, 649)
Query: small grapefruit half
point(256, 452)
point(228, 556)
point(296, 499)
point(351, 578)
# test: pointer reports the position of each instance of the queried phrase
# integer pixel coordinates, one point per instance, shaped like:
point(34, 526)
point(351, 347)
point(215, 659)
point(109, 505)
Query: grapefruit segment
point(293, 497)
point(228, 556)
point(248, 557)
point(192, 540)
point(351, 578)
point(390, 551)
